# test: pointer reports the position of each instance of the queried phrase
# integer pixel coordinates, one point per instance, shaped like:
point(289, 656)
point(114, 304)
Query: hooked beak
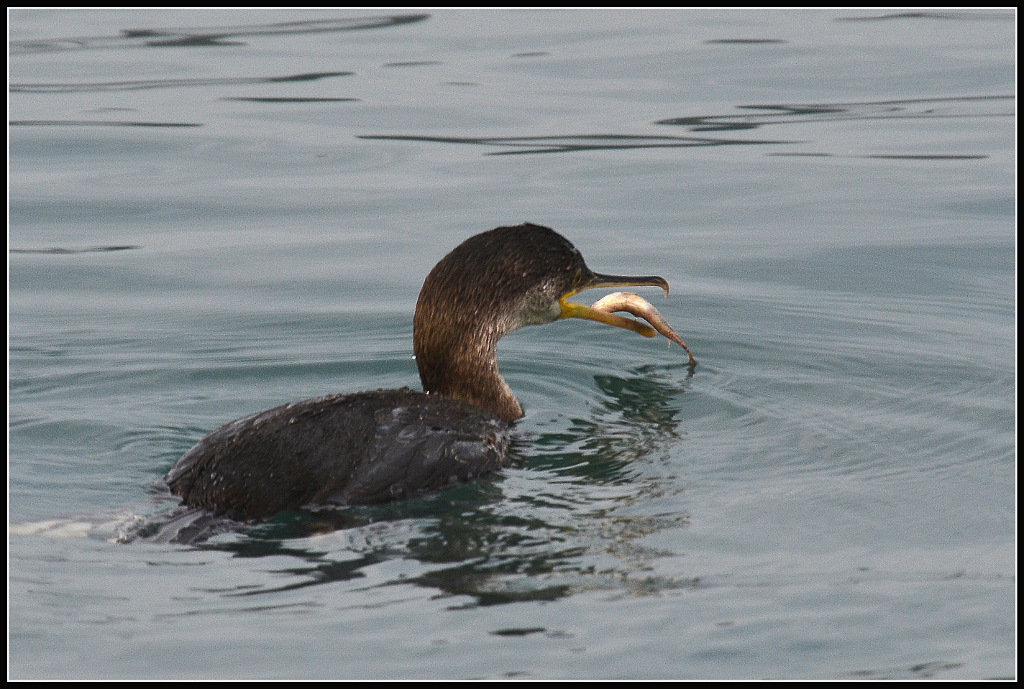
point(574, 310)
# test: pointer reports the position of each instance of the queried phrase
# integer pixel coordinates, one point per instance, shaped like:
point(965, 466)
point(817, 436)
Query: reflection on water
point(65, 250)
point(637, 416)
point(779, 114)
point(571, 143)
point(951, 16)
point(98, 123)
point(193, 37)
point(141, 84)
point(741, 41)
point(295, 99)
point(803, 113)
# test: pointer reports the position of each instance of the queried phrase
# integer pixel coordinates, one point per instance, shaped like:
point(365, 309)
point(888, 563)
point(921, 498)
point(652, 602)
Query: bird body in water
point(382, 445)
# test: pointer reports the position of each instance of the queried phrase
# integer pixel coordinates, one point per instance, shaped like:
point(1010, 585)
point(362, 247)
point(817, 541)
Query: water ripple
point(192, 37)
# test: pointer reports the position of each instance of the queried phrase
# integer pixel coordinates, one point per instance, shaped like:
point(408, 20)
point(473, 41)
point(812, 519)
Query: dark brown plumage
point(384, 445)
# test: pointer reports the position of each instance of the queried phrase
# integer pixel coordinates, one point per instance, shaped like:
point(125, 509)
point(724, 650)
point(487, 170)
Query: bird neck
point(465, 368)
point(459, 360)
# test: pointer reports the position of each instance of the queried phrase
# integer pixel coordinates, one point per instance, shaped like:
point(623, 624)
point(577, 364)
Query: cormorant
point(382, 445)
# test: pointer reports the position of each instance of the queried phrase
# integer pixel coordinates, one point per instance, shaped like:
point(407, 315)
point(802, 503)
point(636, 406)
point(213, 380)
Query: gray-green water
point(218, 212)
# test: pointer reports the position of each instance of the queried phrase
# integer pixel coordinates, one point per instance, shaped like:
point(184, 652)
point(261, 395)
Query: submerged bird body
point(383, 445)
point(351, 449)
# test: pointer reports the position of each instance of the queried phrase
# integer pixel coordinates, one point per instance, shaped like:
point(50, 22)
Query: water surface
point(216, 212)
